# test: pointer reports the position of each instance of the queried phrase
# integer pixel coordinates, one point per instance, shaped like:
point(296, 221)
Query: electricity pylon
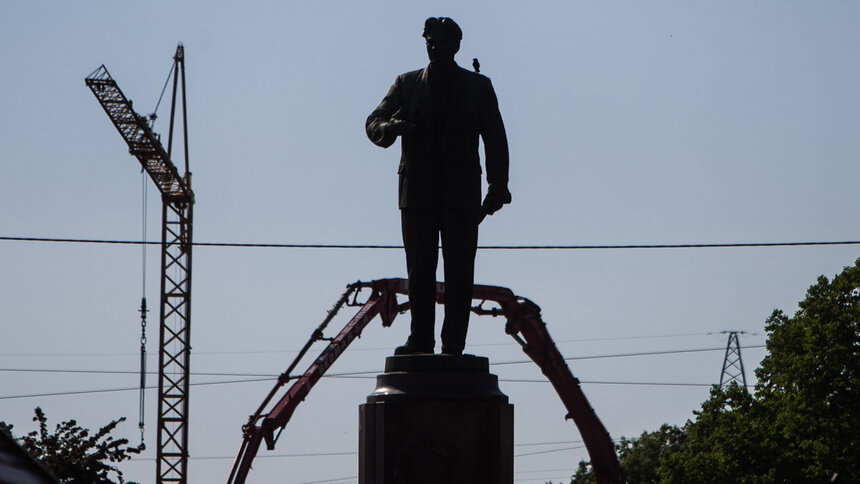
point(733, 365)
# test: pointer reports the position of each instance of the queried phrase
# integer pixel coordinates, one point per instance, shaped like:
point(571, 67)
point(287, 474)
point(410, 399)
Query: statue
point(439, 112)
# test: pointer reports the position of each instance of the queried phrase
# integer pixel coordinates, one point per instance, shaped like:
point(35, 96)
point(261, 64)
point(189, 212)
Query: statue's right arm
point(379, 128)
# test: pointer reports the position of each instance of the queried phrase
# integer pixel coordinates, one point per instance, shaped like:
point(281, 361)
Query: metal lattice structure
point(733, 365)
point(176, 243)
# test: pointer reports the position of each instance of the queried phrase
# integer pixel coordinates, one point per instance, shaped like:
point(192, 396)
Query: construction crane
point(523, 323)
point(176, 229)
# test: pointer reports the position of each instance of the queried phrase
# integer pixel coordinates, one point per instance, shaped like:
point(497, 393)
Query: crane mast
point(176, 243)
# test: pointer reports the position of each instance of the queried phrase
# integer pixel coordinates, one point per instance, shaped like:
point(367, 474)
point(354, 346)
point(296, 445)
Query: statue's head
point(443, 37)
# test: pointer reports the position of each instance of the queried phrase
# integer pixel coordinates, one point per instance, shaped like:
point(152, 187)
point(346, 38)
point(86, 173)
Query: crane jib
point(143, 143)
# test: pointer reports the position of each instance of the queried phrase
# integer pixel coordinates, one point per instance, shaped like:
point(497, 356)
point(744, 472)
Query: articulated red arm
point(524, 318)
point(543, 351)
point(280, 414)
point(523, 323)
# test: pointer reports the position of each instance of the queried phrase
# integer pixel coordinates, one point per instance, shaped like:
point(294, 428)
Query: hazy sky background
point(629, 123)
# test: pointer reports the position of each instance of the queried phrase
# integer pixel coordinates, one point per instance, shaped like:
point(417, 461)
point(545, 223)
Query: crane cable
point(143, 311)
point(154, 115)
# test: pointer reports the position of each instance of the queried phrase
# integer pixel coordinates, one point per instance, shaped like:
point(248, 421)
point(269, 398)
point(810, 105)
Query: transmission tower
point(733, 365)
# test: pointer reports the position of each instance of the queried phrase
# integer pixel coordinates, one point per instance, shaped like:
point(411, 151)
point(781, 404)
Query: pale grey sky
point(630, 123)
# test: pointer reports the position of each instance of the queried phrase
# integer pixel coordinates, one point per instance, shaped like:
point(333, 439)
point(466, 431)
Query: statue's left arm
point(495, 151)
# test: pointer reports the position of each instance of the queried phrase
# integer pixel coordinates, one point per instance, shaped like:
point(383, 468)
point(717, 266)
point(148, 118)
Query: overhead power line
point(360, 372)
point(137, 388)
point(332, 481)
point(622, 355)
point(257, 377)
point(549, 451)
point(714, 245)
point(257, 380)
point(376, 348)
point(351, 453)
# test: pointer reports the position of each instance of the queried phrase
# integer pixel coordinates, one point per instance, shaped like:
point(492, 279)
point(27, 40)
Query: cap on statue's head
point(443, 26)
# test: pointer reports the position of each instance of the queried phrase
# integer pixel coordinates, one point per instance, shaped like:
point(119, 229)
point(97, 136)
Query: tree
point(800, 425)
point(73, 455)
point(803, 421)
point(639, 457)
point(722, 445)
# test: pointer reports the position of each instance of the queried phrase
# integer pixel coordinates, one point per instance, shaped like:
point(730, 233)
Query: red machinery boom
point(524, 324)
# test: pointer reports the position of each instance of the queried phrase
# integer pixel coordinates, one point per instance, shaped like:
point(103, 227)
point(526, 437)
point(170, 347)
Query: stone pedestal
point(436, 419)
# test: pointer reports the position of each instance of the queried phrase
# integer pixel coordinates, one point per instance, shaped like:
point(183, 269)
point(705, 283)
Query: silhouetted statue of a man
point(439, 112)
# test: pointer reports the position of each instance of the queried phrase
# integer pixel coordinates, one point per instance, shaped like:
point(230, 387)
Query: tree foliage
point(722, 445)
point(803, 421)
point(801, 424)
point(639, 457)
point(74, 455)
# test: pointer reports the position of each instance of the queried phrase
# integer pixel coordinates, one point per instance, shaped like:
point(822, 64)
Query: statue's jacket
point(439, 163)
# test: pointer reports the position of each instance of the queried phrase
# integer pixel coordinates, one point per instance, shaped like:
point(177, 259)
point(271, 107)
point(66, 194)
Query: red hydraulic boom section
point(524, 324)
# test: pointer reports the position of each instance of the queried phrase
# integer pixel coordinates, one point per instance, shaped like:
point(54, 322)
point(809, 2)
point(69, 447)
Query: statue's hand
point(400, 127)
point(496, 197)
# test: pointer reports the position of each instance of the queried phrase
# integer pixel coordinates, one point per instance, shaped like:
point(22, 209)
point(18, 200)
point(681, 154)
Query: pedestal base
point(436, 419)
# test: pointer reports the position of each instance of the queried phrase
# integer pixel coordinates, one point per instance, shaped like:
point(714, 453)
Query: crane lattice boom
point(176, 243)
point(142, 142)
